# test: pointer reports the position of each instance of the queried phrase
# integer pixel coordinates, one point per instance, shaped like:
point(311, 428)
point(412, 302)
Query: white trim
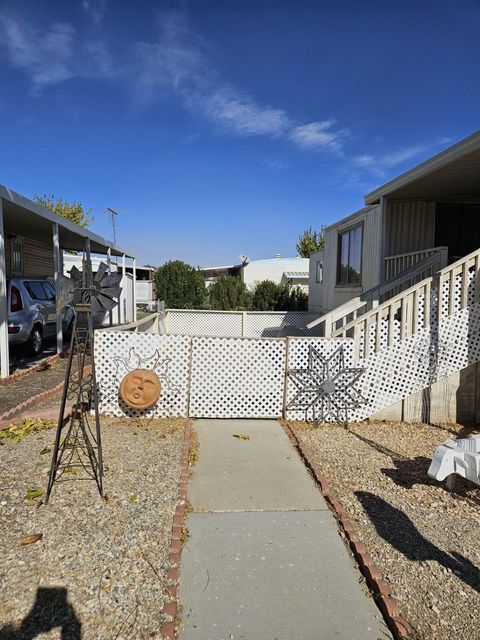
point(57, 263)
point(134, 272)
point(4, 350)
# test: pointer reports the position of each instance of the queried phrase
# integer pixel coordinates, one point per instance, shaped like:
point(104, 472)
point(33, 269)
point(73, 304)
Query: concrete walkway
point(264, 560)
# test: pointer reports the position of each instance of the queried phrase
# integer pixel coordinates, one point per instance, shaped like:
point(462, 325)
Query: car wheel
point(35, 342)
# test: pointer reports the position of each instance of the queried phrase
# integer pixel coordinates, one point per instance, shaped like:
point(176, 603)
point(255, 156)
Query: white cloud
point(240, 114)
point(318, 135)
point(52, 55)
point(402, 155)
point(178, 60)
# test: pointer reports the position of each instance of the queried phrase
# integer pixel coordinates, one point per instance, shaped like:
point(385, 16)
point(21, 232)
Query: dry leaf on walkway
point(241, 436)
point(35, 537)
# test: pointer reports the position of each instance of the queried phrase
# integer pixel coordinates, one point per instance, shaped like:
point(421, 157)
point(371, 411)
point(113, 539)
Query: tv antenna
point(113, 213)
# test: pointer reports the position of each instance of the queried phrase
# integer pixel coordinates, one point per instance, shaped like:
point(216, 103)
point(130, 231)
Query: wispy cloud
point(319, 135)
point(178, 59)
point(95, 9)
point(51, 55)
point(379, 165)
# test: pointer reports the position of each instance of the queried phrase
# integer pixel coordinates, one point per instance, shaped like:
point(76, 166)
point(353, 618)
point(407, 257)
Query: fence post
point(285, 381)
point(244, 323)
point(189, 388)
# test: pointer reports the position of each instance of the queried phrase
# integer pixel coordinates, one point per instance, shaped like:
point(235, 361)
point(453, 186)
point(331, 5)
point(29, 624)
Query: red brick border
point(25, 372)
point(170, 608)
point(8, 416)
point(378, 585)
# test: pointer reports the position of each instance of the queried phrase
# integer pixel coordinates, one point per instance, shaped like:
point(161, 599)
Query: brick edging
point(378, 585)
point(6, 417)
point(25, 372)
point(170, 608)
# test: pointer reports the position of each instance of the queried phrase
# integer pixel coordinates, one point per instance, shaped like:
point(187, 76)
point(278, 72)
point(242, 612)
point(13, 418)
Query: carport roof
point(453, 172)
point(25, 218)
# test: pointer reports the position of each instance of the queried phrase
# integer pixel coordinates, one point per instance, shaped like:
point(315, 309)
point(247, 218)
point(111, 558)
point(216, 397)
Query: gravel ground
point(17, 391)
point(425, 539)
point(100, 569)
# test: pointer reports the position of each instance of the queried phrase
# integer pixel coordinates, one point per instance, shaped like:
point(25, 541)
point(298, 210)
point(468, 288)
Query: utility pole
point(113, 214)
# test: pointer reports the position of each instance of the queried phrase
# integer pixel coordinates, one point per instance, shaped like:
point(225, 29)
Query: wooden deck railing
point(396, 265)
point(432, 261)
point(399, 317)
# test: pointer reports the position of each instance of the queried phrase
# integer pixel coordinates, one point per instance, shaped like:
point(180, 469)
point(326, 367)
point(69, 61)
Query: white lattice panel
point(237, 378)
point(168, 356)
point(258, 325)
point(298, 350)
point(419, 360)
point(236, 324)
point(204, 323)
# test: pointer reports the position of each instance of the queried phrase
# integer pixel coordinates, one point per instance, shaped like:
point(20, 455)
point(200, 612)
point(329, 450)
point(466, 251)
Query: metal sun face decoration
point(325, 389)
point(141, 386)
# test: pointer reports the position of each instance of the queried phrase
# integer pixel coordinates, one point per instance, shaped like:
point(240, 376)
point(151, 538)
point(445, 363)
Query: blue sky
point(219, 128)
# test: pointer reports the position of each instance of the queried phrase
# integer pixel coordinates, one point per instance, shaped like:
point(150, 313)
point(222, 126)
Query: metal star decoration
point(325, 390)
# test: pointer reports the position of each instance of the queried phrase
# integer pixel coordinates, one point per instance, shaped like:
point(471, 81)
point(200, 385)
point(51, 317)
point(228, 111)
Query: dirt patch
point(99, 566)
point(425, 539)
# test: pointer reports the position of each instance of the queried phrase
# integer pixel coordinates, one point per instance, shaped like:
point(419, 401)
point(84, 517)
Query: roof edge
point(439, 160)
point(26, 203)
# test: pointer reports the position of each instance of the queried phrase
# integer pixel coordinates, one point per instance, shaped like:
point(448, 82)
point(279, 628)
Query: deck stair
point(417, 337)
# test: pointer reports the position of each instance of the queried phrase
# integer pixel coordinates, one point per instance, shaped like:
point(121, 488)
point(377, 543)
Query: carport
point(22, 218)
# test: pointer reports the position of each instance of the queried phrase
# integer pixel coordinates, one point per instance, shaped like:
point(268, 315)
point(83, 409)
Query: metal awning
point(296, 274)
point(454, 172)
point(23, 217)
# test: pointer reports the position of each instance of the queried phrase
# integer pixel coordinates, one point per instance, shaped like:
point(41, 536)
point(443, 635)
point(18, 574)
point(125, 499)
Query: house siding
point(37, 259)
point(410, 225)
point(327, 296)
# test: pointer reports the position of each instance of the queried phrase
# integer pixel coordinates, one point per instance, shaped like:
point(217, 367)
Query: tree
point(180, 285)
point(268, 296)
point(265, 296)
point(228, 293)
point(310, 241)
point(73, 211)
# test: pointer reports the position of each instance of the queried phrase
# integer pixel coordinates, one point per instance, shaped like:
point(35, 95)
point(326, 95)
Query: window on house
point(17, 257)
point(319, 272)
point(349, 267)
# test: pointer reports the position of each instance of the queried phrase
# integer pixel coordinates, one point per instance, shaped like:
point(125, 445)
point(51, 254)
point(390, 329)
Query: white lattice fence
point(267, 324)
point(237, 378)
point(235, 324)
point(419, 360)
point(204, 323)
point(116, 352)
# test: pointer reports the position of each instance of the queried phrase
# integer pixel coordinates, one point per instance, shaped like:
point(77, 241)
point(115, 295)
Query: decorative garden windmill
point(77, 444)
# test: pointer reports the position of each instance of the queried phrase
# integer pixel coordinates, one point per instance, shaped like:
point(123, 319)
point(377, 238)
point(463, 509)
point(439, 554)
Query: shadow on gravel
point(397, 529)
point(50, 610)
point(410, 471)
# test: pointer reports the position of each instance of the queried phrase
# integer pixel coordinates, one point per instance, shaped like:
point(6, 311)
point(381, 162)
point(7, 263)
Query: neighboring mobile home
point(31, 242)
point(421, 221)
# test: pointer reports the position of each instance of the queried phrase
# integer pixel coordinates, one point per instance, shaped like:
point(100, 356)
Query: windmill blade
point(102, 270)
point(75, 274)
point(64, 288)
point(107, 303)
point(111, 292)
point(112, 280)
